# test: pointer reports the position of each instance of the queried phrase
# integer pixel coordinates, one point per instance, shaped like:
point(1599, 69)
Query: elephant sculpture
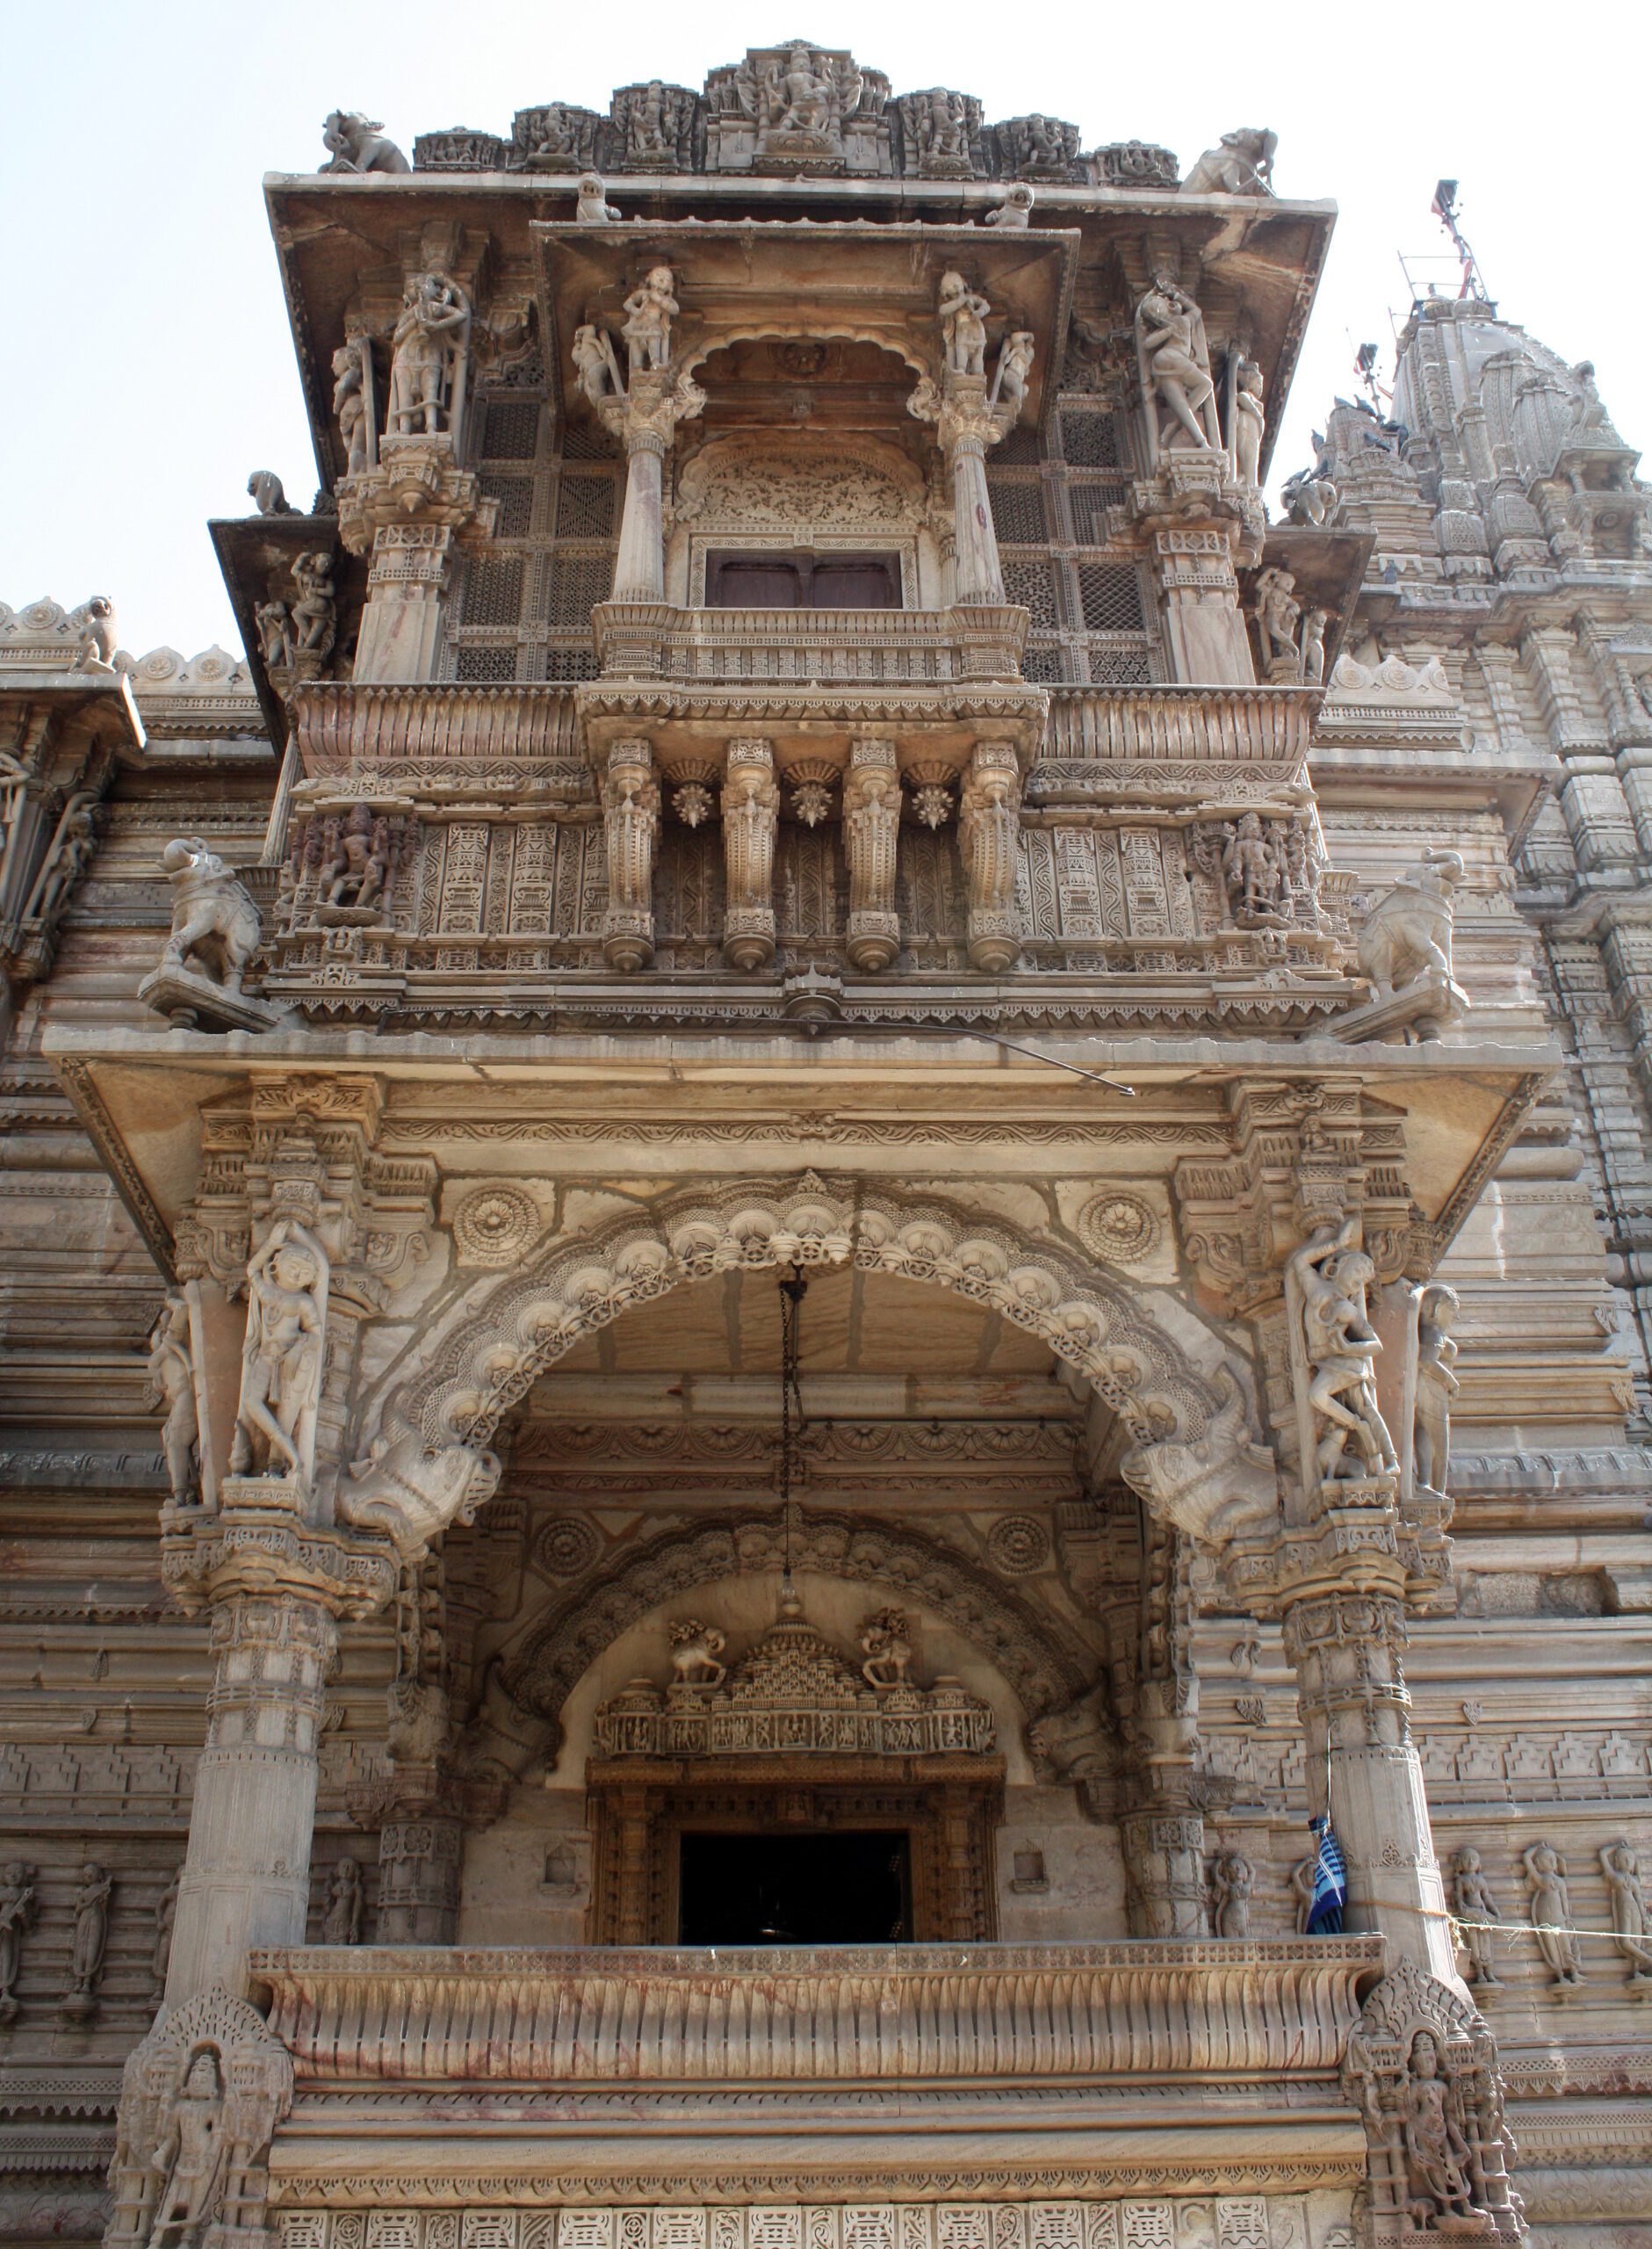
point(215, 924)
point(1406, 938)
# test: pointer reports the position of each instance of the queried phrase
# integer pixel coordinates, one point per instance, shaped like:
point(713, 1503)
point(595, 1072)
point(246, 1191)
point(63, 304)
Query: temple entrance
point(847, 1887)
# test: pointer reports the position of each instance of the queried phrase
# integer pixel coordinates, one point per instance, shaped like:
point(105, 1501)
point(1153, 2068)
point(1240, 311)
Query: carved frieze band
point(1230, 2221)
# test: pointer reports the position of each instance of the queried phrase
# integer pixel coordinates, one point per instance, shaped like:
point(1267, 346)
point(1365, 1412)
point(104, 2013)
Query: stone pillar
point(1164, 1870)
point(989, 830)
point(1199, 599)
point(275, 1589)
point(413, 511)
point(644, 420)
point(630, 814)
point(967, 422)
point(420, 1859)
point(407, 578)
point(871, 825)
point(1345, 1645)
point(977, 574)
point(750, 819)
point(639, 571)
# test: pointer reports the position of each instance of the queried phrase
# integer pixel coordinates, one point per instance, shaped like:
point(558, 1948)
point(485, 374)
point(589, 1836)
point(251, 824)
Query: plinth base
point(193, 1002)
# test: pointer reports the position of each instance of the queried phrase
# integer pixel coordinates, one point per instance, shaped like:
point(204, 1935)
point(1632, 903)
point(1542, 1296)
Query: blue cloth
point(1330, 1882)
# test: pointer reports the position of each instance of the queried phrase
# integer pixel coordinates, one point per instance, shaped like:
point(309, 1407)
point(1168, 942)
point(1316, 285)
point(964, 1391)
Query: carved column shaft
point(1345, 1647)
point(871, 826)
point(630, 811)
point(400, 635)
point(989, 830)
point(1164, 1870)
point(639, 571)
point(420, 1859)
point(246, 1874)
point(750, 819)
point(979, 574)
point(1199, 596)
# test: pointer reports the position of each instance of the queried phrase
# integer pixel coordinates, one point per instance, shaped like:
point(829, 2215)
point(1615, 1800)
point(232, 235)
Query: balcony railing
point(898, 2015)
point(339, 723)
point(1176, 725)
point(809, 646)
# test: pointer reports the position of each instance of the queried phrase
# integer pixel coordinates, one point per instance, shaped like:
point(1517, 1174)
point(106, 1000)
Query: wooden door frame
point(950, 1807)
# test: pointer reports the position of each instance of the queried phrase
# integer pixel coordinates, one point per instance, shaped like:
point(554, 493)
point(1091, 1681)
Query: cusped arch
point(500, 1338)
point(803, 328)
point(1043, 1660)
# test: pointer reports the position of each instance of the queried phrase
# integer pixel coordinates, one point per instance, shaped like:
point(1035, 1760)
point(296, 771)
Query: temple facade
point(827, 1239)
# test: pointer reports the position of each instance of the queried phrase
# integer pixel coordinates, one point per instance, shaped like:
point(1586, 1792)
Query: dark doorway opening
point(802, 581)
point(837, 1887)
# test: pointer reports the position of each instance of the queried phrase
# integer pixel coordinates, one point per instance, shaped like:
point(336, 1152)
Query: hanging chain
point(792, 1287)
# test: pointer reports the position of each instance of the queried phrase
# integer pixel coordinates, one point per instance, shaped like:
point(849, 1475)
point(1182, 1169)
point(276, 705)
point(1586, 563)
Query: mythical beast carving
point(1213, 1488)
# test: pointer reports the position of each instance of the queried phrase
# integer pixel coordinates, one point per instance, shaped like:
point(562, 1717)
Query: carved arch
point(805, 329)
point(502, 1336)
point(1046, 1664)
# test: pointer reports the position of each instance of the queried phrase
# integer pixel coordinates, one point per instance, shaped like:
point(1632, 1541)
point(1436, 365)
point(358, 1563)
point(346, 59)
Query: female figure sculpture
point(1176, 365)
point(1552, 1912)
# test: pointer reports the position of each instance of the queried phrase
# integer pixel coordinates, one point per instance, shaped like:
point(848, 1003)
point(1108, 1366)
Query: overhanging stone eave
point(740, 278)
point(139, 1094)
point(103, 704)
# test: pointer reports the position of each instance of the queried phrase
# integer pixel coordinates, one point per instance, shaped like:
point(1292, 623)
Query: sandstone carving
point(1476, 1909)
point(342, 1923)
point(1631, 1915)
point(1241, 164)
point(1551, 1914)
point(1177, 388)
point(354, 143)
point(215, 932)
point(413, 1490)
point(1213, 1489)
point(89, 1944)
point(172, 1387)
point(17, 1910)
point(201, 2096)
point(281, 1363)
point(1405, 941)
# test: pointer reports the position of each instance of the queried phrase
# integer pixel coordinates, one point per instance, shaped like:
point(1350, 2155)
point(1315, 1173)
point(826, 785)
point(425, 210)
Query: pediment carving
point(758, 484)
point(793, 1693)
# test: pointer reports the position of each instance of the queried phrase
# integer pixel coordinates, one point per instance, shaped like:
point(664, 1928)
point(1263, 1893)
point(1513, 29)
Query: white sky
point(148, 365)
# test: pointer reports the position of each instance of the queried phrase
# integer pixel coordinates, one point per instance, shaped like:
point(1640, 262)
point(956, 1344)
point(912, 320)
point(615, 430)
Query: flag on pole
point(1330, 1882)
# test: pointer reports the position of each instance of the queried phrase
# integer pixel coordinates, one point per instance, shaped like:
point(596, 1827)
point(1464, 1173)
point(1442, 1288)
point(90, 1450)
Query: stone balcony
point(429, 2077)
point(1073, 2015)
point(1082, 738)
point(809, 647)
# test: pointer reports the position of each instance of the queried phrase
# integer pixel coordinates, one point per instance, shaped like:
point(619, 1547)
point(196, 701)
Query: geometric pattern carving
point(462, 1383)
point(494, 1225)
point(1019, 1545)
point(1119, 1227)
point(1241, 2222)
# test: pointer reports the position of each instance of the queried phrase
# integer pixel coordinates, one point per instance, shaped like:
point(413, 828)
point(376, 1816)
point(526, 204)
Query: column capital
point(417, 481)
point(257, 1546)
point(645, 417)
